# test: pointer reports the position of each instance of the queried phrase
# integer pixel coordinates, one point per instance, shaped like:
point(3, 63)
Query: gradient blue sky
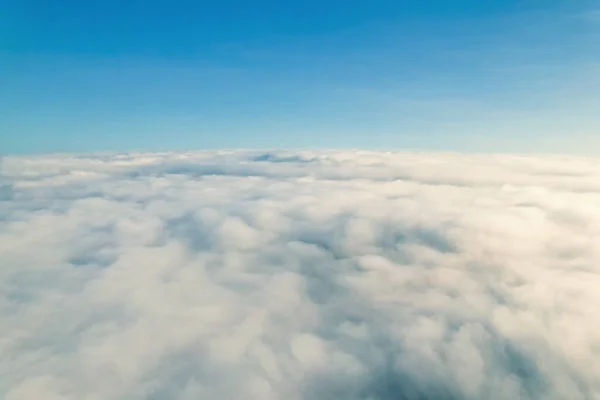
point(477, 75)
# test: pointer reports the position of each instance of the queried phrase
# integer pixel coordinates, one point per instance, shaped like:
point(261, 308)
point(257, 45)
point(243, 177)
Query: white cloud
point(299, 275)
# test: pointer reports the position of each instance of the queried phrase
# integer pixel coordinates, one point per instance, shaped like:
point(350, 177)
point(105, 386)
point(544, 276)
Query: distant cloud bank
point(299, 275)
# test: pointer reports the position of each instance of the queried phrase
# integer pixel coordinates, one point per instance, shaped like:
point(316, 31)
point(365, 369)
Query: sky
point(479, 75)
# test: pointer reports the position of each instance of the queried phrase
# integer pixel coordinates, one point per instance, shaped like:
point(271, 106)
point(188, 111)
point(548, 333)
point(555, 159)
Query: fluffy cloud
point(306, 275)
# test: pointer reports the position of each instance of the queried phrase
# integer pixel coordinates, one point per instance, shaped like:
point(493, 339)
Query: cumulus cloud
point(299, 275)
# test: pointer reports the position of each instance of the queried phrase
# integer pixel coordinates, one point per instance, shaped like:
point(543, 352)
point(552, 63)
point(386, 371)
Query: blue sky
point(437, 75)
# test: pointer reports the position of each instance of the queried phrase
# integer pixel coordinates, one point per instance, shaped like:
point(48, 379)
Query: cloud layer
point(299, 275)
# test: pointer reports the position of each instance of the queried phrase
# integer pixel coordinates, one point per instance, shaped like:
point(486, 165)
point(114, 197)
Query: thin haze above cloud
point(299, 275)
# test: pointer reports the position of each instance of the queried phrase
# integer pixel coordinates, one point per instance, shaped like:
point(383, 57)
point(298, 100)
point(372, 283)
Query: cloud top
point(299, 275)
